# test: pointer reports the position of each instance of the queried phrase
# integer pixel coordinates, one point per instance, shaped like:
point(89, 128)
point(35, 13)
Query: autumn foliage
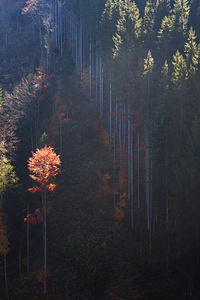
point(43, 165)
point(40, 275)
point(34, 220)
point(105, 191)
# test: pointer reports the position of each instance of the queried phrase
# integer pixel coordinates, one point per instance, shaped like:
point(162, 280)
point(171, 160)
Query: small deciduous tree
point(43, 166)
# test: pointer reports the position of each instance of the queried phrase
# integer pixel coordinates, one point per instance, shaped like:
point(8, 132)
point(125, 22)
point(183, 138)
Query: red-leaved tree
point(43, 166)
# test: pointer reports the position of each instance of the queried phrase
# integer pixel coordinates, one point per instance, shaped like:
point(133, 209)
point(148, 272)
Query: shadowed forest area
point(99, 149)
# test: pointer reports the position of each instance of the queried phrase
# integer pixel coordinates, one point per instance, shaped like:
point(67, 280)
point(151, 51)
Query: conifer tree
point(181, 12)
point(165, 38)
point(127, 40)
point(147, 74)
point(190, 50)
point(148, 24)
point(108, 27)
point(179, 78)
point(160, 156)
point(128, 28)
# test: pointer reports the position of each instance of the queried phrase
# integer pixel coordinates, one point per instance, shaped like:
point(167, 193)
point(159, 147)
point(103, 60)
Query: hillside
point(110, 89)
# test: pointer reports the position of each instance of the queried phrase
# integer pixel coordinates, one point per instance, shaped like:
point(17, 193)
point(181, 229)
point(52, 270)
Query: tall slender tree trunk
point(129, 154)
point(53, 121)
point(20, 261)
point(110, 111)
point(81, 48)
point(5, 274)
point(27, 239)
point(132, 161)
point(90, 66)
point(114, 171)
point(101, 89)
point(40, 33)
point(60, 137)
point(147, 178)
point(97, 72)
point(45, 240)
point(2, 197)
point(5, 34)
point(76, 45)
point(138, 168)
point(18, 6)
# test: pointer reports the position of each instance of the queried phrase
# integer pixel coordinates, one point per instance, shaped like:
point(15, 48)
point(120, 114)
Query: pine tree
point(128, 28)
point(190, 50)
point(179, 78)
point(148, 24)
point(108, 27)
point(127, 40)
point(148, 105)
point(160, 156)
point(181, 12)
point(165, 38)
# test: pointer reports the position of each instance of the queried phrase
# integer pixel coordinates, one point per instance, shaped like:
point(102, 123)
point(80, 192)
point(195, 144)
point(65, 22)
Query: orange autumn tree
point(43, 166)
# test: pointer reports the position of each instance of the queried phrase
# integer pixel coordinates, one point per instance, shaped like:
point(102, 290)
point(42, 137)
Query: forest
point(99, 149)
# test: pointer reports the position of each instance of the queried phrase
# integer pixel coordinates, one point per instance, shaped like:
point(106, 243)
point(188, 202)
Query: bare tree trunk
point(45, 241)
point(124, 127)
point(1, 198)
point(5, 34)
point(138, 169)
point(60, 137)
point(167, 228)
point(76, 45)
point(20, 261)
point(101, 89)
point(53, 122)
point(114, 171)
point(110, 116)
point(40, 32)
point(5, 274)
point(129, 154)
point(81, 48)
point(27, 239)
point(18, 6)
point(90, 66)
point(147, 177)
point(116, 112)
point(32, 24)
point(132, 160)
point(97, 73)
point(120, 147)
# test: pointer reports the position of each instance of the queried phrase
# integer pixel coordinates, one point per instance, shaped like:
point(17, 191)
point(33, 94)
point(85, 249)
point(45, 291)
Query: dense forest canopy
point(99, 149)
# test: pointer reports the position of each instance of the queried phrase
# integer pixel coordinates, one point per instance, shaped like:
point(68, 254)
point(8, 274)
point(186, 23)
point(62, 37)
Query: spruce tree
point(165, 37)
point(190, 50)
point(148, 24)
point(181, 12)
point(179, 78)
